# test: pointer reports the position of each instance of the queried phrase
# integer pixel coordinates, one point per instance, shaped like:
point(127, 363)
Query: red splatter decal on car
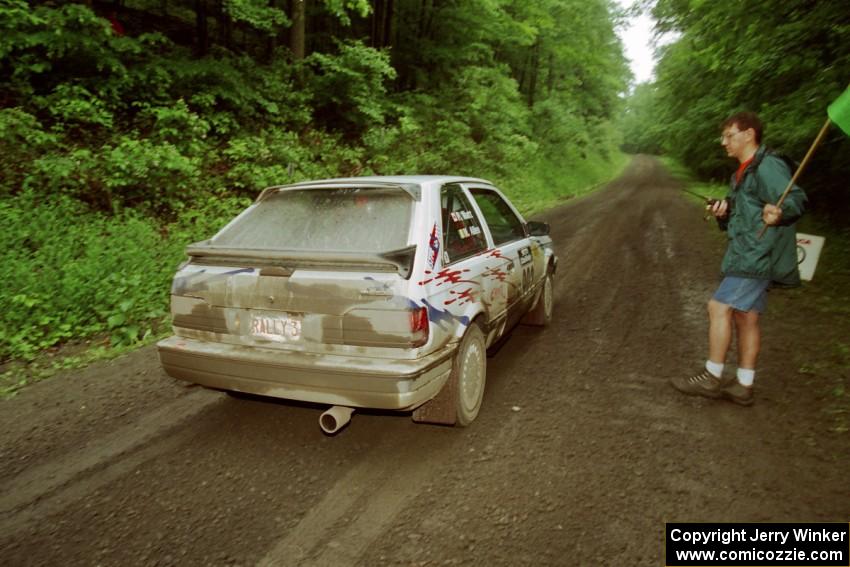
point(447, 276)
point(464, 296)
point(495, 273)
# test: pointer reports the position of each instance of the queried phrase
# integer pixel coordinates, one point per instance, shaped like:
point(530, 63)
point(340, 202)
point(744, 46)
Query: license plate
point(280, 328)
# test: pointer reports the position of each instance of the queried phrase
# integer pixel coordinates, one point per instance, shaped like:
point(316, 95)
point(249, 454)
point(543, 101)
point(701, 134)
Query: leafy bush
point(256, 13)
point(21, 137)
point(478, 120)
point(348, 89)
point(74, 107)
point(177, 125)
point(127, 173)
point(97, 274)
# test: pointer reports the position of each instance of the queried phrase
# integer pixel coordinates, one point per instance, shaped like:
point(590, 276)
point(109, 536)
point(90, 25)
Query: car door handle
point(510, 267)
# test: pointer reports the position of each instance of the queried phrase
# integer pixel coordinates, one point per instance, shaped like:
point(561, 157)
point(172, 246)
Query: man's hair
point(745, 121)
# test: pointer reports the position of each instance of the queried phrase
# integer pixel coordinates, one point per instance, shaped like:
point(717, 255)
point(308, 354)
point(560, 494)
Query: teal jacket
point(774, 256)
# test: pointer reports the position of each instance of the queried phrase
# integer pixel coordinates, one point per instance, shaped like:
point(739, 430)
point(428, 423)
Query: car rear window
point(336, 219)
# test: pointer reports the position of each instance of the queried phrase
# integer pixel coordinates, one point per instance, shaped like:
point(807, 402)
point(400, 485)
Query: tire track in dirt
point(356, 510)
point(96, 464)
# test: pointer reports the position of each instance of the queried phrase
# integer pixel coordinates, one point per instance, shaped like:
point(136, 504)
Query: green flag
point(839, 111)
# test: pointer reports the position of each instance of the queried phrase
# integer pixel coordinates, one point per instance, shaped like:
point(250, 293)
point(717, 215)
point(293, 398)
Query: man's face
point(736, 141)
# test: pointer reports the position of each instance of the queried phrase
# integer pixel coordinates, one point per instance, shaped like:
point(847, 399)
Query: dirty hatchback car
point(373, 292)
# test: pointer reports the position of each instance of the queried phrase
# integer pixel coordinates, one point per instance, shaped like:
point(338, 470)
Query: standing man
point(751, 264)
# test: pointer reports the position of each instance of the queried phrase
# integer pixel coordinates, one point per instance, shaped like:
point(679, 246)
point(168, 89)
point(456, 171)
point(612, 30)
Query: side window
point(462, 234)
point(504, 225)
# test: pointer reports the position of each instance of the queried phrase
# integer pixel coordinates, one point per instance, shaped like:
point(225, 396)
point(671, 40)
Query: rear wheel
point(541, 315)
point(469, 372)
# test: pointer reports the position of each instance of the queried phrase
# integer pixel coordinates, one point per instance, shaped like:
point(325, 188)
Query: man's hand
point(718, 208)
point(771, 215)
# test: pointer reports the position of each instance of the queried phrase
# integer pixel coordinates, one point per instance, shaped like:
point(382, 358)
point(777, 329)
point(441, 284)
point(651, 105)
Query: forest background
point(130, 128)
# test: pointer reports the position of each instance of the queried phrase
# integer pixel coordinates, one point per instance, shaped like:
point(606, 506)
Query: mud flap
point(441, 408)
point(530, 316)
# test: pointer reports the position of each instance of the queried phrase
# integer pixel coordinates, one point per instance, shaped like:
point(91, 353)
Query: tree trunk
point(433, 8)
point(225, 24)
point(388, 23)
point(296, 34)
point(382, 23)
point(532, 81)
point(202, 40)
point(423, 14)
point(377, 24)
point(271, 41)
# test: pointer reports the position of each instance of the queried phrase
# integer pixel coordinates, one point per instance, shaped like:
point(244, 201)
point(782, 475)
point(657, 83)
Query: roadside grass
point(45, 364)
point(707, 189)
point(546, 182)
point(824, 301)
point(95, 289)
point(111, 294)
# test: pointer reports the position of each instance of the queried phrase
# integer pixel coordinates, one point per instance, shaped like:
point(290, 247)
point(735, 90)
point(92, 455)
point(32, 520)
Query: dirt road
point(580, 454)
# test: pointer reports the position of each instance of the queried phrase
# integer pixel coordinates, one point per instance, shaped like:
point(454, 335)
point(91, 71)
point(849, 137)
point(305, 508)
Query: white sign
point(808, 252)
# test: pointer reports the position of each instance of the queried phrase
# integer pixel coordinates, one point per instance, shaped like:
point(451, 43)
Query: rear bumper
point(321, 378)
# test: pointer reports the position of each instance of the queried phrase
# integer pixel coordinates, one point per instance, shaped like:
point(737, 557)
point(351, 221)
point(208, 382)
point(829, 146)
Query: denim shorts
point(743, 294)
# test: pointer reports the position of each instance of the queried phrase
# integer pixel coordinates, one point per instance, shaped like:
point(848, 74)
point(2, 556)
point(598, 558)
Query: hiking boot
point(738, 393)
point(703, 384)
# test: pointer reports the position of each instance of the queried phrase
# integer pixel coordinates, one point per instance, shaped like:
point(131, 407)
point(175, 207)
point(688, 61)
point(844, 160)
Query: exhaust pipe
point(335, 419)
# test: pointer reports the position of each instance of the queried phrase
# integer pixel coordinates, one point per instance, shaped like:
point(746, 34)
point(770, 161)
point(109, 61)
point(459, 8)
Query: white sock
point(746, 376)
point(716, 368)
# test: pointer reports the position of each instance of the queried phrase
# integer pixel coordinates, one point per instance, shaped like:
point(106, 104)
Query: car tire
point(541, 314)
point(469, 373)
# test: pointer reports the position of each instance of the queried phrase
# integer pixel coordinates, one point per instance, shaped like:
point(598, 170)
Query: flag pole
point(800, 169)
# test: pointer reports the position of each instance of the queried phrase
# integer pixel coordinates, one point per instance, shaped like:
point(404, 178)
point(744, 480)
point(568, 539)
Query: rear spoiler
point(398, 260)
point(411, 189)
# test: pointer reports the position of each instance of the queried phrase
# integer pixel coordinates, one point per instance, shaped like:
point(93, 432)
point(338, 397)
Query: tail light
point(419, 326)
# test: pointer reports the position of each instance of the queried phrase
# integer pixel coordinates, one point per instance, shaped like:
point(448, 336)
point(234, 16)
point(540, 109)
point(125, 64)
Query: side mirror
point(536, 228)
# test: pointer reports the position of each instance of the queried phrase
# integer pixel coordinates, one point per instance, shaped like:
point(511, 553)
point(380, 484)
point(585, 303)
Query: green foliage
point(74, 107)
point(49, 46)
point(177, 125)
point(98, 275)
point(233, 93)
point(349, 89)
point(278, 157)
point(144, 173)
point(129, 173)
point(641, 134)
point(340, 9)
point(256, 13)
point(477, 118)
point(21, 137)
point(786, 60)
point(90, 277)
